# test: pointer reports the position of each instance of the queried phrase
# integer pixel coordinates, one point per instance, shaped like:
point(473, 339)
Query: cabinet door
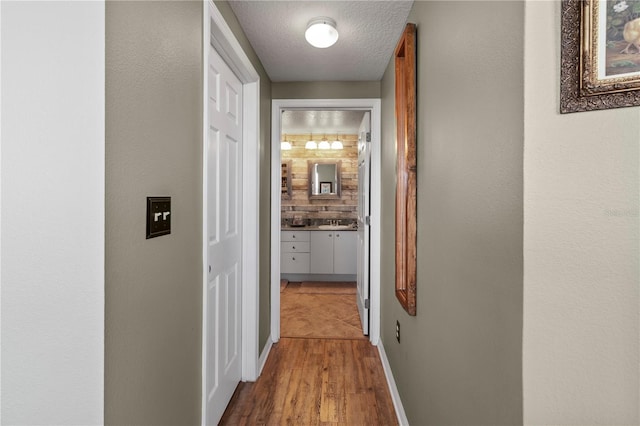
point(321, 261)
point(344, 252)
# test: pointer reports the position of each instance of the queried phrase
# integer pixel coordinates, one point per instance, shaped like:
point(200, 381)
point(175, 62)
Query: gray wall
point(154, 145)
point(581, 355)
point(460, 360)
point(265, 173)
point(326, 90)
point(153, 148)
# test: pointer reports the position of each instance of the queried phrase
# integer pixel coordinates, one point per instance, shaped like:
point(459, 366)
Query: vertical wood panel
point(406, 214)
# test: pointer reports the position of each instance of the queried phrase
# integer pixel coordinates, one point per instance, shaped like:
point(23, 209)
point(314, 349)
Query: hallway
point(330, 374)
point(528, 230)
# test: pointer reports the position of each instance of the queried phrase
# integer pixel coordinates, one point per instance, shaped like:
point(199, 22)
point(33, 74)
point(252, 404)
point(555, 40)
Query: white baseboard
point(395, 396)
point(264, 355)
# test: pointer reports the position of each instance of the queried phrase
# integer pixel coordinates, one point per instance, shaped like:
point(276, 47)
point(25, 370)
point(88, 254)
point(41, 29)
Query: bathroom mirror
point(324, 179)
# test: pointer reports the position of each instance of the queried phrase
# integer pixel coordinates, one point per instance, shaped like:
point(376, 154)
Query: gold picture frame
point(600, 60)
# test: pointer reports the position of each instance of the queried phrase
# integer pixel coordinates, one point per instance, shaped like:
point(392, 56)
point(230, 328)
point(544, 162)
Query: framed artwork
point(600, 64)
point(406, 187)
point(325, 188)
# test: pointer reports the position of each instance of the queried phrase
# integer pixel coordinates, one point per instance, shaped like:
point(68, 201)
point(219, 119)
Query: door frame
point(374, 106)
point(218, 34)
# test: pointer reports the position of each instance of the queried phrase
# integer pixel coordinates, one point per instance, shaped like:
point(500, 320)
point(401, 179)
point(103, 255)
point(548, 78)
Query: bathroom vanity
point(326, 253)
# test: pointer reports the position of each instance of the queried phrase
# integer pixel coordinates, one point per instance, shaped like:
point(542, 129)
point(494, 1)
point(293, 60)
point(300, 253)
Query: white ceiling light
point(336, 144)
point(285, 145)
point(321, 32)
point(311, 144)
point(324, 144)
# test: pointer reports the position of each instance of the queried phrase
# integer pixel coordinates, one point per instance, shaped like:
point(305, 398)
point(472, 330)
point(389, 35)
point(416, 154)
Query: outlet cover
point(158, 216)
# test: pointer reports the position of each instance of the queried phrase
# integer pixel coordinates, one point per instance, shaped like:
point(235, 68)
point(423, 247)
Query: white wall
point(52, 212)
point(581, 334)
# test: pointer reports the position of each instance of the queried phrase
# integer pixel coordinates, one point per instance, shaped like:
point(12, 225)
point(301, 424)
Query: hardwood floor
point(315, 382)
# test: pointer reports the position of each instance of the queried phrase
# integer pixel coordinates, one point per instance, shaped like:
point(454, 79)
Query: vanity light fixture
point(321, 32)
point(336, 144)
point(324, 143)
point(311, 144)
point(285, 145)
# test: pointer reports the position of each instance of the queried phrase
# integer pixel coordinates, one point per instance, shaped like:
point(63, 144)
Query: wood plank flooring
point(315, 382)
point(322, 372)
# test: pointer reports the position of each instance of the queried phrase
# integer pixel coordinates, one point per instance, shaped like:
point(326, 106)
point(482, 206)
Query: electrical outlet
point(398, 331)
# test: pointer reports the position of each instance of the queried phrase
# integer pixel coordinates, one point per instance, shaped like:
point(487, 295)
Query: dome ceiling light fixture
point(321, 32)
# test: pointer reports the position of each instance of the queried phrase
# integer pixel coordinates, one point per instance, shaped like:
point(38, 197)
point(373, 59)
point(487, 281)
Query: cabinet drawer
point(294, 235)
point(294, 263)
point(294, 247)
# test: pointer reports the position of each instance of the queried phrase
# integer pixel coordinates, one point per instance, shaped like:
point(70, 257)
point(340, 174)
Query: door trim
point(218, 34)
point(374, 106)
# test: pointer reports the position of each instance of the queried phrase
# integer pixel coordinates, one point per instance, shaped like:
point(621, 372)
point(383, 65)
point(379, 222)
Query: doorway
point(372, 107)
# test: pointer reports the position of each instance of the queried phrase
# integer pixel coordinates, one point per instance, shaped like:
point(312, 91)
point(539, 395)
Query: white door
point(224, 208)
point(364, 183)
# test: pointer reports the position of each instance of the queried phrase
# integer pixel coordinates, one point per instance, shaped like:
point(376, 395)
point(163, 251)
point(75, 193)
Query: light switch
point(158, 216)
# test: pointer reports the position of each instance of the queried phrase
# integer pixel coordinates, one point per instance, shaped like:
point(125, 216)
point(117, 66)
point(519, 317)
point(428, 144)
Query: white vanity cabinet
point(294, 252)
point(322, 252)
point(345, 248)
point(333, 252)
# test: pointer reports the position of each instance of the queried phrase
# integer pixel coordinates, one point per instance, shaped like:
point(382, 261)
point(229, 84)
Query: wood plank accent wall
point(300, 204)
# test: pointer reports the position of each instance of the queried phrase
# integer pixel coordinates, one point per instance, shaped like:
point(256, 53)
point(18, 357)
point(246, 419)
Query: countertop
point(318, 228)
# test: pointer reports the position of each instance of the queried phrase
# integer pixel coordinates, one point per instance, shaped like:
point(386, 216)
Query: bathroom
point(319, 217)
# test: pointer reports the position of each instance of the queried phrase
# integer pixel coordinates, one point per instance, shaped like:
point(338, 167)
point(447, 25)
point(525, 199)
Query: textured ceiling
point(321, 122)
point(369, 31)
